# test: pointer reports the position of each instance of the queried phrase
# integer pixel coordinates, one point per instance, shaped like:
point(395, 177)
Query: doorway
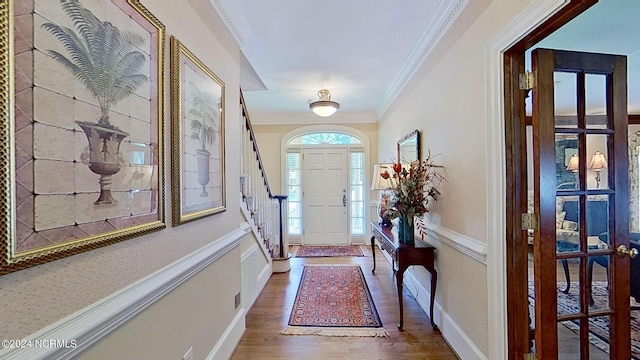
point(324, 176)
point(580, 183)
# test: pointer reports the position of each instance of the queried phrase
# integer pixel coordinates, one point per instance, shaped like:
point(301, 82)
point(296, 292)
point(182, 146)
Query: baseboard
point(95, 322)
point(230, 338)
point(457, 339)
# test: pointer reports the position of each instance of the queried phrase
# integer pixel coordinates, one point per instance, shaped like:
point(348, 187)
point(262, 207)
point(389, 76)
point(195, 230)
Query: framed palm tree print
point(198, 171)
point(82, 127)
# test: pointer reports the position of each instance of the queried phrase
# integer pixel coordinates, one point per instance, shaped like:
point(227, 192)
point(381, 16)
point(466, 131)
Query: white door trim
point(531, 17)
point(284, 145)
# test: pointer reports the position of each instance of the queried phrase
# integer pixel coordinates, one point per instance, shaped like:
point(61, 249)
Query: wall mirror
point(409, 147)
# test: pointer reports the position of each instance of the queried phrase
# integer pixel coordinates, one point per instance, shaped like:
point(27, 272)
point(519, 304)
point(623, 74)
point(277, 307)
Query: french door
point(580, 166)
point(325, 196)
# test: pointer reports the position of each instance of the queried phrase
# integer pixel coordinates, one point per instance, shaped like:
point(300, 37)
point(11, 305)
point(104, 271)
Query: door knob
point(623, 250)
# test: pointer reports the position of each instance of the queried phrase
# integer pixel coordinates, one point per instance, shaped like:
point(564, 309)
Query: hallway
point(270, 314)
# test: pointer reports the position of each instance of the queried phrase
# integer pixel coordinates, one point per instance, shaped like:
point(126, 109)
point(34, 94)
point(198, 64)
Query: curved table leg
point(399, 275)
point(565, 266)
point(434, 279)
point(373, 252)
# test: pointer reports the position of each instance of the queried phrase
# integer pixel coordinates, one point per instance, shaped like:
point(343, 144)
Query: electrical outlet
point(188, 355)
point(237, 300)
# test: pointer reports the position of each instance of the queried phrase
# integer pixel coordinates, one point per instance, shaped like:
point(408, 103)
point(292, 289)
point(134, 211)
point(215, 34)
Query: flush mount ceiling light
point(324, 107)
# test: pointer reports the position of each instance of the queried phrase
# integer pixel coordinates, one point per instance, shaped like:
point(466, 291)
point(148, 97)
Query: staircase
point(261, 208)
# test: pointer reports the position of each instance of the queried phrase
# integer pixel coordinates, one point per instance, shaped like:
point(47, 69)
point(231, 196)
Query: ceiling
point(362, 51)
point(610, 27)
point(365, 51)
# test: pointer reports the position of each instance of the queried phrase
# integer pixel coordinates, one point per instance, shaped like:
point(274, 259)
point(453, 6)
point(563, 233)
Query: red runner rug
point(326, 251)
point(334, 300)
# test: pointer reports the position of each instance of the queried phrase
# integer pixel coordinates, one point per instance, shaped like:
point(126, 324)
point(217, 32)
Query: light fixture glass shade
point(324, 107)
point(598, 162)
point(377, 181)
point(574, 163)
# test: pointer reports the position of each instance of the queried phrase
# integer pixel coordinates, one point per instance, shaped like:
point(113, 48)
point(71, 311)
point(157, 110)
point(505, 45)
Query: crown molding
point(444, 17)
point(232, 19)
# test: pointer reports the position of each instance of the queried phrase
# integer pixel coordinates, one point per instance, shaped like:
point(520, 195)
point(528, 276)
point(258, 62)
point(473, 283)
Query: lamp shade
point(598, 161)
point(574, 163)
point(377, 181)
point(324, 106)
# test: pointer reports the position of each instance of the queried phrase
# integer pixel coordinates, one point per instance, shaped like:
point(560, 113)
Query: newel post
point(281, 263)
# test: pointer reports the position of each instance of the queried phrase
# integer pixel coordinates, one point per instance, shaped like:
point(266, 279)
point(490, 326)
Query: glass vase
point(405, 231)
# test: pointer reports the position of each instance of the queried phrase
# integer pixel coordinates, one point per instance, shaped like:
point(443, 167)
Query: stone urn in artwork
point(104, 156)
point(203, 114)
point(203, 170)
point(108, 63)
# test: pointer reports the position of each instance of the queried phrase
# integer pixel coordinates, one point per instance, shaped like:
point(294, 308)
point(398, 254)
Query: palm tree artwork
point(106, 61)
point(203, 113)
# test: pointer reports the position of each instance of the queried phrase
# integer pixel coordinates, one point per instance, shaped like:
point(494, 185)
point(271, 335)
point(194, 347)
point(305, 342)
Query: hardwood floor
point(270, 314)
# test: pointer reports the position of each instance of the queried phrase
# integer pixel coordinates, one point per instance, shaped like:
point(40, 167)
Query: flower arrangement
point(413, 188)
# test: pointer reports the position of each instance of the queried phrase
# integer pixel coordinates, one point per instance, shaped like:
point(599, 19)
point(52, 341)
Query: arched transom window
point(325, 138)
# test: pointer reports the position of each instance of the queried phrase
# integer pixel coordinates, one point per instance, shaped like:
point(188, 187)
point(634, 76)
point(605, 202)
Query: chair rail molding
point(436, 234)
point(98, 320)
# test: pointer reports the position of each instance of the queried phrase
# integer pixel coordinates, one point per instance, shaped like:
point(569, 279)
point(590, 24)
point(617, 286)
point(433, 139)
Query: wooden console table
point(403, 256)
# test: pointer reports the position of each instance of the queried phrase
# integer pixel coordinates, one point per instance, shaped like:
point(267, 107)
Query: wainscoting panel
point(96, 322)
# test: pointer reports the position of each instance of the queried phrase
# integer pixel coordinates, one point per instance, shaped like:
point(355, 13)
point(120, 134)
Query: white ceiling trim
point(430, 38)
point(232, 20)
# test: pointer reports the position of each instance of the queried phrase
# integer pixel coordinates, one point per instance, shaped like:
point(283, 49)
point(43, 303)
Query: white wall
point(448, 102)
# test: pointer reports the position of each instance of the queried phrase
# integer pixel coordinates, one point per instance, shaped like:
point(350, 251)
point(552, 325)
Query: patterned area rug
point(326, 251)
point(598, 327)
point(334, 300)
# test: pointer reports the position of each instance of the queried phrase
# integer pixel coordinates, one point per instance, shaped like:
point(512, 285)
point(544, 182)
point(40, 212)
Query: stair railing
point(261, 207)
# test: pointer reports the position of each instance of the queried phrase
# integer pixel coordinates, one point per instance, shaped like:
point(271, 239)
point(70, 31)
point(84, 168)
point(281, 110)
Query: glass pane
point(357, 160)
point(295, 226)
point(357, 226)
point(569, 340)
point(567, 223)
point(294, 177)
point(356, 193)
point(598, 222)
point(357, 209)
point(597, 172)
point(566, 108)
point(596, 101)
point(568, 272)
point(294, 161)
point(599, 337)
point(599, 288)
point(567, 162)
point(294, 209)
point(357, 176)
point(294, 193)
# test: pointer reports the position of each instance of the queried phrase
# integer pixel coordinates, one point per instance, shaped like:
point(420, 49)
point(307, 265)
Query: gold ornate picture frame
point(197, 123)
point(82, 129)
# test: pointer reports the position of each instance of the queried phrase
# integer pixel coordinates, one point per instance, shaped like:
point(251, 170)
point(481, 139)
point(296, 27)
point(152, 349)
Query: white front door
point(325, 216)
